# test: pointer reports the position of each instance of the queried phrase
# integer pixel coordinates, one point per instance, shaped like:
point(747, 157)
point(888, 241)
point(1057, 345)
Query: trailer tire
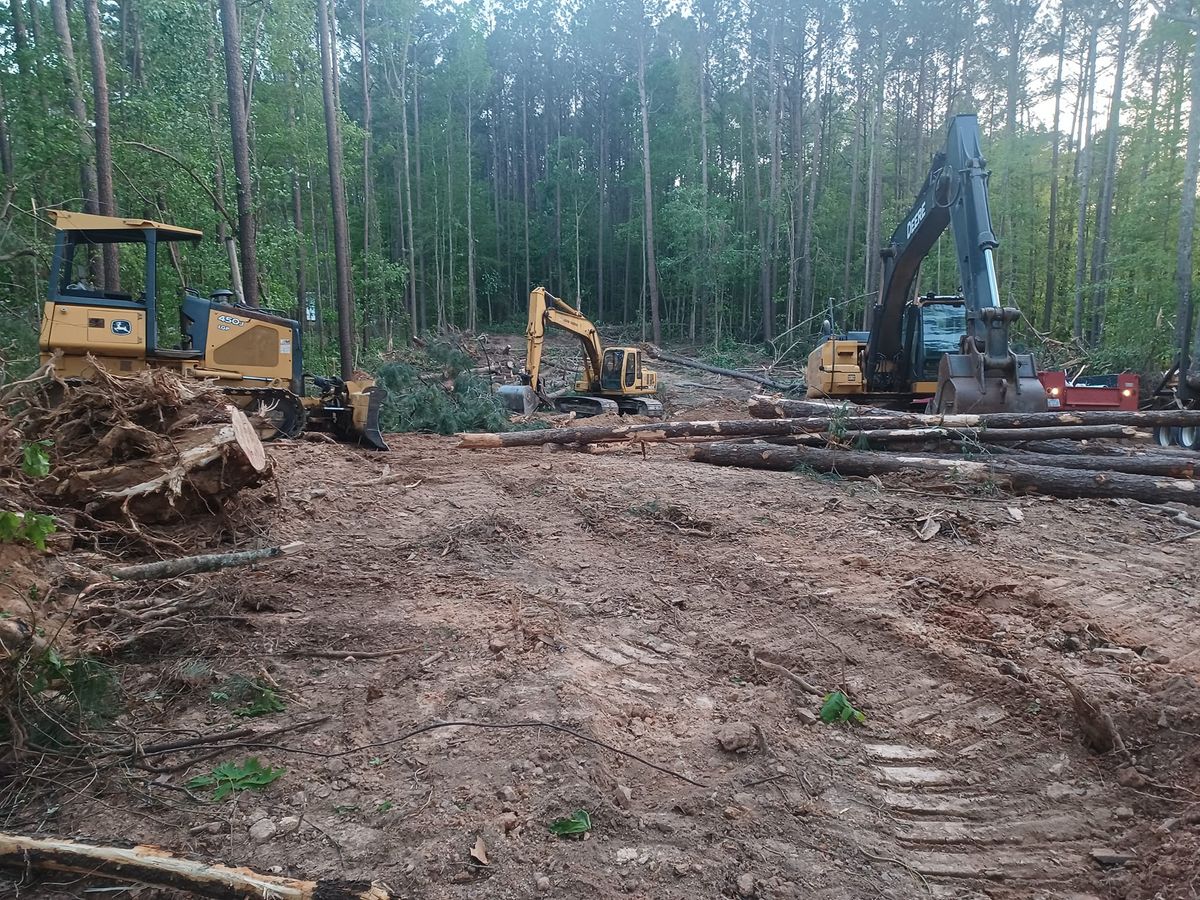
point(1188, 437)
point(1164, 436)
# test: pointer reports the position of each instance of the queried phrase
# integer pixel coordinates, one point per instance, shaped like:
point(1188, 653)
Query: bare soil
point(622, 597)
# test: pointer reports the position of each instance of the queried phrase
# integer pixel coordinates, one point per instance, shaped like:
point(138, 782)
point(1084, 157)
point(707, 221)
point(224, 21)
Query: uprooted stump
point(150, 446)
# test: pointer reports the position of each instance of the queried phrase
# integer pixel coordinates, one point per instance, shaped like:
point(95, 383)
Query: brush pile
point(143, 448)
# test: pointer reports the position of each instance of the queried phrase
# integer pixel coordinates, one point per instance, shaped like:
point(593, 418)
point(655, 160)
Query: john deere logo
point(121, 326)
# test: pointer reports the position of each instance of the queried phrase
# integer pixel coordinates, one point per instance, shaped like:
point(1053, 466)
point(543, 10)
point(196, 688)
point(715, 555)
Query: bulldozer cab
point(121, 313)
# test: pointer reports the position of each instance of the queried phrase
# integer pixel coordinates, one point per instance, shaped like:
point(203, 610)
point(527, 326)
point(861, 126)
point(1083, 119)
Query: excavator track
point(281, 412)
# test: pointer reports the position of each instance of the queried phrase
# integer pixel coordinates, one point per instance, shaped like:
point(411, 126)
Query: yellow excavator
point(613, 380)
point(253, 354)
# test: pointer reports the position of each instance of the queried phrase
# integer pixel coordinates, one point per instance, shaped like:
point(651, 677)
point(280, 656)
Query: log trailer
point(253, 354)
point(949, 352)
point(613, 381)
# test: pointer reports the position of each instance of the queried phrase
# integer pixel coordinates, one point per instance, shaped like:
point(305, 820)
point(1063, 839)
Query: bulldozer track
point(285, 414)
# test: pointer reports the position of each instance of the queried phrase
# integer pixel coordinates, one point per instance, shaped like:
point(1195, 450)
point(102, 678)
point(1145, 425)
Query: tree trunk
point(408, 197)
point(1104, 208)
point(1052, 231)
point(364, 54)
point(298, 227)
point(472, 299)
point(1056, 482)
point(1184, 310)
point(235, 86)
point(105, 201)
point(648, 187)
point(855, 165)
point(656, 353)
point(87, 168)
point(155, 866)
point(337, 191)
point(6, 159)
point(1085, 178)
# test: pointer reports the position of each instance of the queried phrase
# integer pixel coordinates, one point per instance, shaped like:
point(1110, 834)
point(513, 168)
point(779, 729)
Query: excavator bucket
point(991, 378)
point(519, 398)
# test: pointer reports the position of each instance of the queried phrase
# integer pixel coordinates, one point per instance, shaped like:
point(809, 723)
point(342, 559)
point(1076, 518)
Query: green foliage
point(27, 526)
point(230, 777)
point(254, 698)
point(437, 394)
point(55, 699)
point(575, 825)
point(35, 459)
point(837, 708)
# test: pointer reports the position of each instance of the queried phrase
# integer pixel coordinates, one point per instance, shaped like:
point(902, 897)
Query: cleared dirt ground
point(621, 597)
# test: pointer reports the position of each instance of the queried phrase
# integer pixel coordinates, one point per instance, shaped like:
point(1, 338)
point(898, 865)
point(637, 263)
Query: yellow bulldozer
point(253, 354)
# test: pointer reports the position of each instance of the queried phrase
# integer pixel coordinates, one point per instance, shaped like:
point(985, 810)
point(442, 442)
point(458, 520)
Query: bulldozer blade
point(519, 398)
point(367, 426)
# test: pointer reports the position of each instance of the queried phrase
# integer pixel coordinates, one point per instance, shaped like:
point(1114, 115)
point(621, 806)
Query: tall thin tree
point(239, 134)
point(106, 202)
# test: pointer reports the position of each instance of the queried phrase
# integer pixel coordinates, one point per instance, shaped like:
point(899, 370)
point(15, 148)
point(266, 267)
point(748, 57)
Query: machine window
point(631, 372)
point(942, 328)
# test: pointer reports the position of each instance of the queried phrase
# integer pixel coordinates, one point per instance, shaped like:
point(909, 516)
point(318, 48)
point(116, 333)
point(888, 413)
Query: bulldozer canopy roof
point(115, 229)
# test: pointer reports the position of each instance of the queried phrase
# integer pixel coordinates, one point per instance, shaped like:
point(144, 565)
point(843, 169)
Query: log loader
point(950, 352)
point(613, 381)
point(253, 354)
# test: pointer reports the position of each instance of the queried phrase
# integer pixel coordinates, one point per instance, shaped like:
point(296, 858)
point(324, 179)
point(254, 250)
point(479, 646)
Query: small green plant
point(255, 698)
point(26, 526)
point(839, 422)
point(838, 708)
point(231, 777)
point(575, 825)
point(35, 459)
point(383, 806)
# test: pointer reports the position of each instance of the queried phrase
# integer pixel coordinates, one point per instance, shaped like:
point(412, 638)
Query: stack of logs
point(1049, 453)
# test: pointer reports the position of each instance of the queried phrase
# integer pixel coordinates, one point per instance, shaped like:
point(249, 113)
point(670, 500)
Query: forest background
point(712, 172)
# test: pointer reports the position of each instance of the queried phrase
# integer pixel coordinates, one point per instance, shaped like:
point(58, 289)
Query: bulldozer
point(253, 354)
point(613, 381)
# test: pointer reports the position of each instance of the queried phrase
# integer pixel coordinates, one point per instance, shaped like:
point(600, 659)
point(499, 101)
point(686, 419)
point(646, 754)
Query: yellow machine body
point(252, 353)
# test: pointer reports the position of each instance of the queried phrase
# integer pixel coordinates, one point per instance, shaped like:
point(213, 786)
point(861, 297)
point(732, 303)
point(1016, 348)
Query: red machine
point(1092, 392)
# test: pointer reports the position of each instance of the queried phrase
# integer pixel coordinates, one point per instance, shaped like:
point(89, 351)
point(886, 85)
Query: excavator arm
point(545, 308)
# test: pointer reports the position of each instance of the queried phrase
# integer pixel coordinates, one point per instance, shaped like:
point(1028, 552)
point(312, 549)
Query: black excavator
point(950, 353)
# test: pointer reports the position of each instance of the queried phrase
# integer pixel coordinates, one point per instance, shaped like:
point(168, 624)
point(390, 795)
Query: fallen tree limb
point(1055, 481)
point(763, 406)
point(192, 565)
point(782, 408)
point(689, 363)
point(154, 866)
point(804, 684)
point(993, 435)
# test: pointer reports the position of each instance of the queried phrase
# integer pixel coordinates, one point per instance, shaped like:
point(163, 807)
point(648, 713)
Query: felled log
point(193, 565)
point(689, 363)
point(655, 432)
point(1055, 481)
point(650, 432)
point(766, 407)
point(993, 435)
point(203, 466)
point(782, 408)
point(153, 866)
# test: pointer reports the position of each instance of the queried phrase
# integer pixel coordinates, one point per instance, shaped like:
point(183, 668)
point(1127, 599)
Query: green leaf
point(837, 708)
point(578, 823)
point(35, 459)
point(229, 777)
